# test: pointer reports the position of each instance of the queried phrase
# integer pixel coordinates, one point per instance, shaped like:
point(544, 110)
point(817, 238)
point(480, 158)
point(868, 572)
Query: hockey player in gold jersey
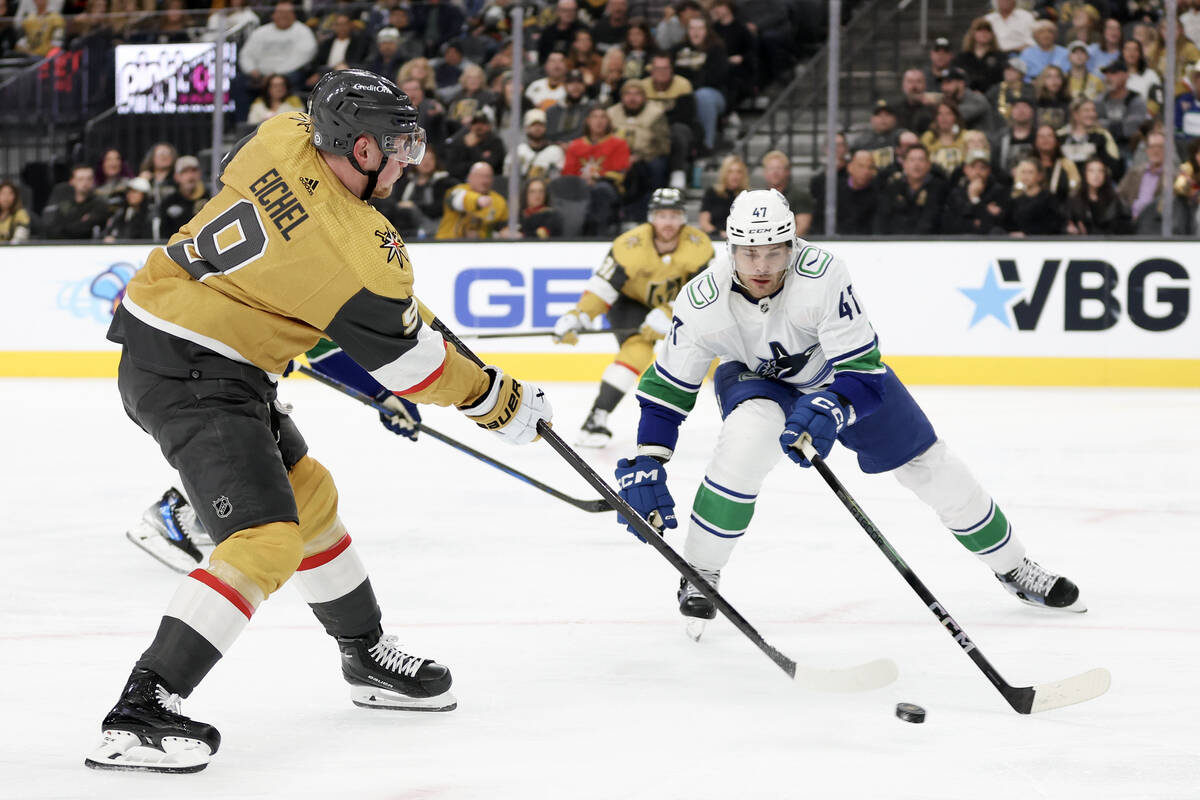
point(636, 285)
point(286, 253)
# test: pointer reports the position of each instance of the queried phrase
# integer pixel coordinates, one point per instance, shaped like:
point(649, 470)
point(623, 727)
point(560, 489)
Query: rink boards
point(1005, 312)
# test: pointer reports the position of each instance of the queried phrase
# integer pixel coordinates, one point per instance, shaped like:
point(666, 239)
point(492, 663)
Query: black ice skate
point(381, 675)
point(145, 731)
point(169, 531)
point(695, 606)
point(1037, 586)
point(595, 432)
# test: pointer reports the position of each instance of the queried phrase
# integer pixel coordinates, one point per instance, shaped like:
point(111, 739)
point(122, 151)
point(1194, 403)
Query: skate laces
point(1034, 577)
point(168, 700)
point(389, 656)
point(712, 576)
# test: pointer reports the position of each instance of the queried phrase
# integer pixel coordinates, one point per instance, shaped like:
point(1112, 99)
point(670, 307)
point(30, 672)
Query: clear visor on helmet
point(761, 259)
point(407, 147)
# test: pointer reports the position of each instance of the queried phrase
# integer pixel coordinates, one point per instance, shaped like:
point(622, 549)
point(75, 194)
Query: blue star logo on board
point(391, 241)
point(991, 299)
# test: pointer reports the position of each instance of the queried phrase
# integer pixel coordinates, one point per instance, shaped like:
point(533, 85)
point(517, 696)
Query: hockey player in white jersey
point(797, 355)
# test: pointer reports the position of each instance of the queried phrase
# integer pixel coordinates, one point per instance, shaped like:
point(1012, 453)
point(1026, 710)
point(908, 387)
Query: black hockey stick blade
point(591, 506)
point(861, 677)
point(1024, 700)
point(529, 334)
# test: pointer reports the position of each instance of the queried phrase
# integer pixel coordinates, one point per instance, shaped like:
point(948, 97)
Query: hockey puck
point(910, 712)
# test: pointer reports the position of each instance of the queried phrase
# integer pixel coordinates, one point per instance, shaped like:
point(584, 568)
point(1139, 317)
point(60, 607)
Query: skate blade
point(152, 542)
point(596, 440)
point(374, 697)
point(124, 751)
point(1077, 607)
point(695, 628)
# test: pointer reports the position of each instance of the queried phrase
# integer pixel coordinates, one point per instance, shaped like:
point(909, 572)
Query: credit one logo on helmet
point(1154, 293)
point(371, 87)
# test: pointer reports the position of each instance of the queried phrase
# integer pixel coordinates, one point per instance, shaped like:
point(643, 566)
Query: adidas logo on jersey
point(309, 184)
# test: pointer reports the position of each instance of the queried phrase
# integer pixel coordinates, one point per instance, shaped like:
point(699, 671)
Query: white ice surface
point(573, 674)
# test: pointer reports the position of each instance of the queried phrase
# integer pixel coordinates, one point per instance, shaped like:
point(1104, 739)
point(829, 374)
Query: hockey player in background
point(288, 252)
point(798, 356)
point(169, 529)
point(636, 286)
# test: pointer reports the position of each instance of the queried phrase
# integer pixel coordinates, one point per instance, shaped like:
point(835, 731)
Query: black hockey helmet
point(349, 103)
point(667, 198)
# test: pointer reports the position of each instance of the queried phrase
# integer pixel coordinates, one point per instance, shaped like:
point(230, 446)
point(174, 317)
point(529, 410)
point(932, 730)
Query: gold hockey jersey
point(282, 256)
point(635, 269)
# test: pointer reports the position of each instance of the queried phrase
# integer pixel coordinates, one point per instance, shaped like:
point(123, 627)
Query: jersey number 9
point(231, 240)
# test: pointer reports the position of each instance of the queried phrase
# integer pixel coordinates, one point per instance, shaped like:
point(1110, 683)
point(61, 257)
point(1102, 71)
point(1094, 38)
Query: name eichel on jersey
point(279, 202)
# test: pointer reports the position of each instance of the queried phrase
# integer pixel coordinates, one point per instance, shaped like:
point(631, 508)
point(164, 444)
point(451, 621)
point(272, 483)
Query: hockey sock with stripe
point(201, 623)
point(335, 585)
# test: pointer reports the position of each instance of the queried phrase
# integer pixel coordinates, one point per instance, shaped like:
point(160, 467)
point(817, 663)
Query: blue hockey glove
point(404, 419)
point(643, 484)
point(820, 415)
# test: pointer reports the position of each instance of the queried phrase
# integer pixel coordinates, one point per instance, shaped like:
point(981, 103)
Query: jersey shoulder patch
point(813, 262)
point(702, 290)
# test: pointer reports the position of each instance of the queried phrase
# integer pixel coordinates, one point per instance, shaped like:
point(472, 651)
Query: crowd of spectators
point(617, 98)
point(1043, 121)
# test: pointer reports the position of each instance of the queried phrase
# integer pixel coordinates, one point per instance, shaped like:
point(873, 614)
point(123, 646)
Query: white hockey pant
point(943, 482)
point(747, 449)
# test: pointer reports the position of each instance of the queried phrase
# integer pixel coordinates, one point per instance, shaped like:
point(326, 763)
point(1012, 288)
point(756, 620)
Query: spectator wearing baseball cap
point(977, 203)
point(1016, 141)
point(186, 201)
point(940, 56)
point(1121, 110)
point(536, 155)
point(564, 119)
point(980, 57)
point(1002, 96)
point(973, 107)
point(644, 126)
point(1044, 51)
point(474, 142)
point(1013, 26)
point(392, 49)
point(133, 219)
point(1081, 81)
point(880, 141)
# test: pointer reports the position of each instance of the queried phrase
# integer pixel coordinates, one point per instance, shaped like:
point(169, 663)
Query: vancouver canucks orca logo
point(783, 365)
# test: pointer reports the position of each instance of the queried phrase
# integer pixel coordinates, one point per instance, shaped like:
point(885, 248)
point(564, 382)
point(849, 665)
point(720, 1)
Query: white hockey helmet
point(760, 217)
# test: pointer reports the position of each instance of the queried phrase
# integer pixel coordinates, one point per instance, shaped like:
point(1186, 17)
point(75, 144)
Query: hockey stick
point(586, 505)
point(526, 334)
point(1023, 699)
point(862, 677)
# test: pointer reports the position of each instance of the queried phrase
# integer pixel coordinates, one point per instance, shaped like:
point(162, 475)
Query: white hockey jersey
point(806, 334)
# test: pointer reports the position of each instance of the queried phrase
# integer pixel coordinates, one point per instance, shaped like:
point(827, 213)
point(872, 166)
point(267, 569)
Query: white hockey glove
point(510, 408)
point(657, 323)
point(568, 326)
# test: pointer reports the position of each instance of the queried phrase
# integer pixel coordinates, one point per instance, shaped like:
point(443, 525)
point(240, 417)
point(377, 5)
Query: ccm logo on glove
point(633, 478)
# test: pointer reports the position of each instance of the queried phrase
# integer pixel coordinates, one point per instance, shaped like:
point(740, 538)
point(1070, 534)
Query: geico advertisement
point(1005, 298)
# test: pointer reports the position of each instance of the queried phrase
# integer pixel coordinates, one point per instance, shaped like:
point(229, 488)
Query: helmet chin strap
point(372, 175)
